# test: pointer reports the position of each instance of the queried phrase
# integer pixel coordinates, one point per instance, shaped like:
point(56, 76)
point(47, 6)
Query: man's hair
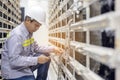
point(27, 18)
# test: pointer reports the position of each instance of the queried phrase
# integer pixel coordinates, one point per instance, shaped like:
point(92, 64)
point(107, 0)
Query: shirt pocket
point(26, 49)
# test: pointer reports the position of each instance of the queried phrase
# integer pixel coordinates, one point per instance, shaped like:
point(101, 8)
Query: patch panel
point(10, 17)
point(77, 26)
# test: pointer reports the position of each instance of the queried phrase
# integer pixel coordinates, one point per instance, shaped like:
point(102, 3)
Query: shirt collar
point(24, 30)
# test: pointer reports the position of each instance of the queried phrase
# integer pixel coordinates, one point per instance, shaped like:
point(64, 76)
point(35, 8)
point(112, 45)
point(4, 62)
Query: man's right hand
point(43, 59)
point(58, 51)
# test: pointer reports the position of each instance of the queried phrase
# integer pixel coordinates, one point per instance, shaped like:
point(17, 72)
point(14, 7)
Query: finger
point(48, 58)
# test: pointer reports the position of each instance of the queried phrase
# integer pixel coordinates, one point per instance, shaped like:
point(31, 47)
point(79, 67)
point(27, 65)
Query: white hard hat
point(37, 13)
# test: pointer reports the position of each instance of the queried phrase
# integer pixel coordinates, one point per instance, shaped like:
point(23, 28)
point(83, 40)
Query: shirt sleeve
point(14, 52)
point(42, 49)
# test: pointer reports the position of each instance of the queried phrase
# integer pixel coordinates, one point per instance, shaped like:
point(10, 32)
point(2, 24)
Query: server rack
point(10, 17)
point(76, 26)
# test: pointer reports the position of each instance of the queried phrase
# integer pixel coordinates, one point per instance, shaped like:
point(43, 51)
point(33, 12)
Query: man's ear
point(27, 21)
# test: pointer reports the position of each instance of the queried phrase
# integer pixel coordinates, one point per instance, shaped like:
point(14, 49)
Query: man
point(21, 55)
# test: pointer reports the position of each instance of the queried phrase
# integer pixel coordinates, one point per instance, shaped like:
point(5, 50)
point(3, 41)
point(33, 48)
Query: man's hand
point(43, 59)
point(58, 51)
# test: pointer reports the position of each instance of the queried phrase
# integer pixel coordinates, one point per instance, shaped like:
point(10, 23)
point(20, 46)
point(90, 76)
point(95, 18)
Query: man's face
point(34, 26)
